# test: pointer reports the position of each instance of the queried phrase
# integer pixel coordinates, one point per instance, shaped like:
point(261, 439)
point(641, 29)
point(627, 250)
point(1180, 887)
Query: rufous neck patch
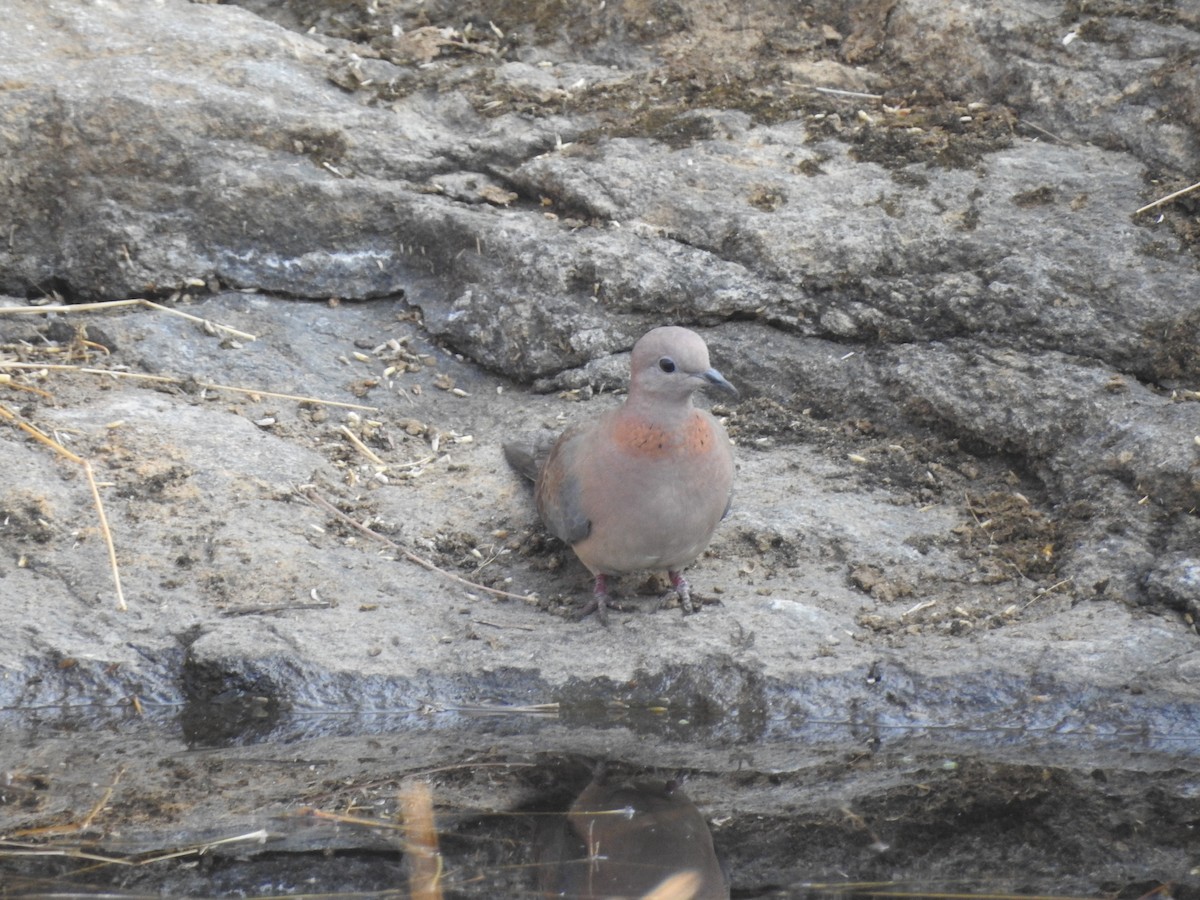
point(637, 435)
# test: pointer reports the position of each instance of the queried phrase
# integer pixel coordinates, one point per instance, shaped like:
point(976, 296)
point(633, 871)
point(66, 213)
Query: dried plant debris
point(28, 517)
point(1009, 537)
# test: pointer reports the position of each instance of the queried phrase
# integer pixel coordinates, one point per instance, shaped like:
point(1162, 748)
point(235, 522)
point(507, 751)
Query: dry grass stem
point(423, 857)
point(114, 304)
point(7, 381)
point(1040, 130)
point(363, 448)
point(317, 500)
point(258, 837)
point(472, 766)
point(1167, 199)
point(83, 824)
point(343, 819)
point(180, 382)
point(498, 625)
point(547, 710)
point(274, 609)
point(16, 848)
point(1044, 591)
point(859, 95)
point(105, 532)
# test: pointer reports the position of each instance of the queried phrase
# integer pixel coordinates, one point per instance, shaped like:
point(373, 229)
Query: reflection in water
point(640, 840)
point(131, 813)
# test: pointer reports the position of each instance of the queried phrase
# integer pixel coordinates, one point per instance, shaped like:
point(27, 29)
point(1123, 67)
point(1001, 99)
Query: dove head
point(669, 365)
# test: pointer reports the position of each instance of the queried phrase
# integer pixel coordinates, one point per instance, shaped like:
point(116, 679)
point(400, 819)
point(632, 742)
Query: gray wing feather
point(558, 495)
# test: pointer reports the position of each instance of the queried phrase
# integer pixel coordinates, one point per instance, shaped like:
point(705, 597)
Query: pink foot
point(680, 589)
point(601, 602)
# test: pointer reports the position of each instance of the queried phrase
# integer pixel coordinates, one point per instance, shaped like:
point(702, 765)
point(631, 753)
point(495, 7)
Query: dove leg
point(601, 602)
point(681, 589)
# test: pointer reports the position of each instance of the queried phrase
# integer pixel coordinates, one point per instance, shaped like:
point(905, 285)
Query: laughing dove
point(643, 486)
point(630, 840)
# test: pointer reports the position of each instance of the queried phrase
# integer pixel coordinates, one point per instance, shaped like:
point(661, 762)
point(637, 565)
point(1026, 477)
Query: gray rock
point(1175, 582)
point(967, 445)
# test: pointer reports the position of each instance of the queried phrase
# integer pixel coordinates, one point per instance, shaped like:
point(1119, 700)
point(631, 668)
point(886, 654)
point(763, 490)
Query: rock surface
point(969, 444)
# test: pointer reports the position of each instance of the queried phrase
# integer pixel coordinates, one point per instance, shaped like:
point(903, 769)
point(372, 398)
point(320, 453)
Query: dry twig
point(113, 304)
point(1167, 199)
point(363, 448)
point(181, 382)
point(44, 438)
point(317, 500)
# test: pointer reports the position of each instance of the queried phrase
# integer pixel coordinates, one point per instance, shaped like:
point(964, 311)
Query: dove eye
point(667, 364)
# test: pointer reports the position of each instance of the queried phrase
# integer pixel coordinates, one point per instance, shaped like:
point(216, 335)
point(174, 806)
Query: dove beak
point(714, 379)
